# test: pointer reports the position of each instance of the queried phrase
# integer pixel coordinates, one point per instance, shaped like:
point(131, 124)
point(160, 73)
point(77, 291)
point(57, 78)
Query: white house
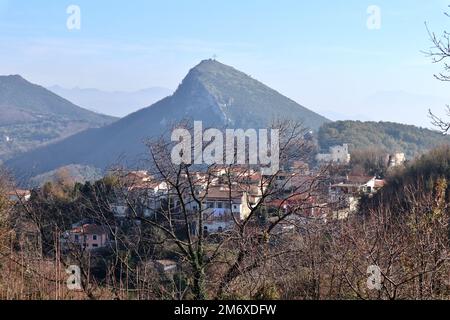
point(338, 154)
point(119, 209)
point(166, 267)
point(222, 208)
point(397, 160)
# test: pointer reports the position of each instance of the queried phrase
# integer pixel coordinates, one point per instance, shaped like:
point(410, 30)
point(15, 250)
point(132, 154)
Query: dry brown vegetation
point(318, 259)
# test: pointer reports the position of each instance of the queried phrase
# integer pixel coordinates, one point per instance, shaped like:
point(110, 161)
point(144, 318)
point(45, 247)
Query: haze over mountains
point(219, 95)
point(394, 106)
point(113, 103)
point(32, 116)
point(403, 107)
point(212, 92)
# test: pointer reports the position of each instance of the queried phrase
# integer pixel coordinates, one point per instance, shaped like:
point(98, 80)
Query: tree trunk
point(198, 288)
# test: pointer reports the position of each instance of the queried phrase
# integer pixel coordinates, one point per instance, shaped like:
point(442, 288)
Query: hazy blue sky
point(320, 53)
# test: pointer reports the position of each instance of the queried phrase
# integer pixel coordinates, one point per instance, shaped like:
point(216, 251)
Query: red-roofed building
point(88, 236)
point(19, 195)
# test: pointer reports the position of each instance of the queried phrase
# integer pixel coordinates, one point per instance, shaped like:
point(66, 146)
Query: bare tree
point(439, 54)
point(410, 247)
point(212, 261)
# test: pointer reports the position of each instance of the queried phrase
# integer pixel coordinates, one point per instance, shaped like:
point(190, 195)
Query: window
point(220, 205)
point(94, 237)
point(77, 237)
point(95, 245)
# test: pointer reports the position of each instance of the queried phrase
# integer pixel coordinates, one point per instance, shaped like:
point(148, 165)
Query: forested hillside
point(387, 136)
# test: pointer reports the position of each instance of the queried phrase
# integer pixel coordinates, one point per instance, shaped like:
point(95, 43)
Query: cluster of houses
point(221, 203)
point(341, 155)
point(344, 195)
point(224, 204)
point(227, 196)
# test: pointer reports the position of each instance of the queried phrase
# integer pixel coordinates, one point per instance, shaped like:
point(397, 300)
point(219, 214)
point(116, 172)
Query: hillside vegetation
point(32, 116)
point(387, 136)
point(428, 174)
point(216, 94)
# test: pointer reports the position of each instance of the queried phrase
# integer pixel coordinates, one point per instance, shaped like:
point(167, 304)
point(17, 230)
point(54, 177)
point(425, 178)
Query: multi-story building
point(337, 154)
point(87, 237)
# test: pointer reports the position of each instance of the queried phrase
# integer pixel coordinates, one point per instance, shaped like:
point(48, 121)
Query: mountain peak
point(21, 100)
point(13, 78)
point(218, 95)
point(210, 63)
point(214, 67)
point(209, 71)
point(238, 99)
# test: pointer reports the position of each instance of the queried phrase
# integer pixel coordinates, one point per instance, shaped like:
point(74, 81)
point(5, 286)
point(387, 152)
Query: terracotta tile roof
point(219, 193)
point(19, 192)
point(380, 183)
point(90, 229)
point(358, 179)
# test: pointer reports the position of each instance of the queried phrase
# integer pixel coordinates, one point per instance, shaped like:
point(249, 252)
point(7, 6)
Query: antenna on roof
point(214, 57)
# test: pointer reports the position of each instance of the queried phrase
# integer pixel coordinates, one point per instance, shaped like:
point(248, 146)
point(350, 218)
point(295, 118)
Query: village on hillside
point(224, 197)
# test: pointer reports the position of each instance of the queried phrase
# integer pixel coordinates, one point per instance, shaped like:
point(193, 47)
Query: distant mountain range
point(214, 93)
point(32, 116)
point(114, 103)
